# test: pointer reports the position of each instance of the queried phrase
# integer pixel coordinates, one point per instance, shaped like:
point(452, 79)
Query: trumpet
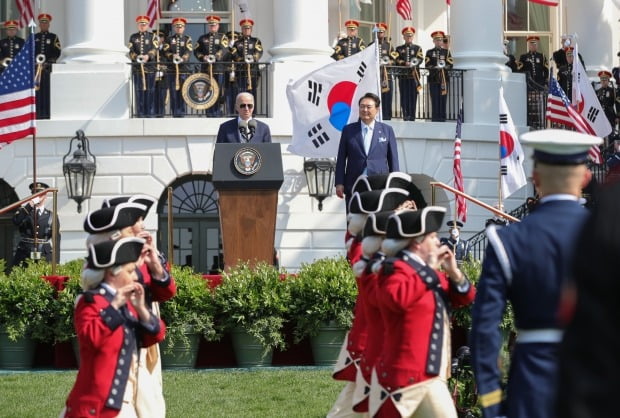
point(415, 61)
point(41, 59)
point(248, 59)
point(140, 59)
point(211, 59)
point(176, 59)
point(385, 60)
point(6, 62)
point(441, 64)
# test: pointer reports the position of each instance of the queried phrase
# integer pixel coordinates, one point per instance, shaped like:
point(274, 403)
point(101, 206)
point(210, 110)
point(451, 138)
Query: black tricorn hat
point(451, 224)
point(377, 200)
point(38, 186)
point(142, 199)
point(414, 223)
point(114, 253)
point(376, 223)
point(113, 218)
point(396, 179)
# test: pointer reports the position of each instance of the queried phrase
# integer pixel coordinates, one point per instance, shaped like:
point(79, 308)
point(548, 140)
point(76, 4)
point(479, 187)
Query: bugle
point(40, 59)
point(176, 59)
point(140, 59)
point(6, 62)
point(249, 59)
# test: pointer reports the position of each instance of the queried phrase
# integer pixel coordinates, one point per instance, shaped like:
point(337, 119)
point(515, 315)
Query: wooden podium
point(247, 178)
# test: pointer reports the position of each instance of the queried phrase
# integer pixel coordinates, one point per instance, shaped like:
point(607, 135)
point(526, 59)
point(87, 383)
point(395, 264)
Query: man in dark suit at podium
point(366, 147)
point(243, 128)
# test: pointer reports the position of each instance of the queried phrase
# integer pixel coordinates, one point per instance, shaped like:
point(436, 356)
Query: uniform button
point(435, 335)
point(437, 326)
point(433, 357)
point(92, 412)
point(114, 391)
point(431, 368)
point(433, 346)
point(389, 389)
point(108, 318)
point(111, 401)
point(119, 372)
point(438, 315)
point(123, 351)
point(121, 362)
point(117, 382)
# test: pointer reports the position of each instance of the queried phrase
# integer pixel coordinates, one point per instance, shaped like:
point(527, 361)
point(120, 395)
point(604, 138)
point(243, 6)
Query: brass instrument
point(441, 64)
point(6, 62)
point(142, 60)
point(249, 59)
point(176, 59)
point(416, 75)
point(37, 76)
point(385, 85)
point(211, 59)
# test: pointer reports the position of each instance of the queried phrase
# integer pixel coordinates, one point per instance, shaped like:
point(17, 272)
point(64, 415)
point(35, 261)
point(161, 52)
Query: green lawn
point(273, 392)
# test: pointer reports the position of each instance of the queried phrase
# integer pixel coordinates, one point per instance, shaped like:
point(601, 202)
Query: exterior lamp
point(320, 177)
point(80, 170)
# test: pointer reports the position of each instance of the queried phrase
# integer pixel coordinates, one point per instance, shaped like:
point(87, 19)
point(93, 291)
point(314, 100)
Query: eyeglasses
point(246, 106)
point(367, 106)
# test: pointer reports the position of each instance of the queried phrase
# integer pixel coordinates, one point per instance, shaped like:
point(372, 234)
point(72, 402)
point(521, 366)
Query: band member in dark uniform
point(211, 48)
point(565, 73)
point(512, 62)
point(11, 45)
point(142, 49)
point(616, 73)
point(607, 96)
point(31, 217)
point(438, 60)
point(534, 63)
point(46, 51)
point(161, 83)
point(386, 57)
point(409, 55)
point(246, 52)
point(351, 44)
point(177, 49)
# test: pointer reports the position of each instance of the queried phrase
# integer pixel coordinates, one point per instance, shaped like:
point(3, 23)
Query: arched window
point(196, 237)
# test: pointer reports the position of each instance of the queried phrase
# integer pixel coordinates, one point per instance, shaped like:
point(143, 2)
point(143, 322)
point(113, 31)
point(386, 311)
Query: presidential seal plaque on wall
point(200, 91)
point(247, 161)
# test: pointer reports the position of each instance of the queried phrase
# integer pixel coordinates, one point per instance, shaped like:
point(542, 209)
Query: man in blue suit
point(366, 147)
point(243, 128)
point(527, 264)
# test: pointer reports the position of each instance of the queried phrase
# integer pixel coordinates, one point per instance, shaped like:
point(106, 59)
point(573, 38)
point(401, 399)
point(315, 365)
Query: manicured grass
point(256, 393)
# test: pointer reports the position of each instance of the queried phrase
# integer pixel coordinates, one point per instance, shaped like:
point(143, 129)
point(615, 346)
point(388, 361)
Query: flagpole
point(448, 20)
point(35, 212)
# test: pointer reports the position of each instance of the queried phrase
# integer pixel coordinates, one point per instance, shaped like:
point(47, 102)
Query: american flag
point(461, 205)
point(153, 11)
point(559, 110)
point(403, 8)
point(26, 12)
point(17, 97)
point(546, 2)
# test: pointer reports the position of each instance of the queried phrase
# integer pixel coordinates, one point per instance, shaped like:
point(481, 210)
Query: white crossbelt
point(546, 335)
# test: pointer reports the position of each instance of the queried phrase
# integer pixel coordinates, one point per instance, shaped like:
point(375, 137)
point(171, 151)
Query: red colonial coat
point(408, 308)
point(160, 290)
point(107, 340)
point(368, 286)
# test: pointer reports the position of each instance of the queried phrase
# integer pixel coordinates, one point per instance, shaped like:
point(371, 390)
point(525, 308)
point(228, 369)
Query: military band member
point(565, 73)
point(211, 48)
point(31, 217)
point(607, 96)
point(46, 51)
point(512, 62)
point(616, 73)
point(351, 44)
point(11, 45)
point(438, 60)
point(415, 298)
point(246, 52)
point(386, 57)
point(410, 56)
point(177, 49)
point(531, 280)
point(161, 83)
point(533, 63)
point(142, 50)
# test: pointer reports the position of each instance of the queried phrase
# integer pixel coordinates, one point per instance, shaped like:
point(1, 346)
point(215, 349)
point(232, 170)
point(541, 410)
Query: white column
point(301, 44)
point(297, 35)
point(91, 80)
point(596, 24)
point(477, 46)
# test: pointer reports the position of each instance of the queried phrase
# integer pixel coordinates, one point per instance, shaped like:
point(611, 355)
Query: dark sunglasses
point(246, 106)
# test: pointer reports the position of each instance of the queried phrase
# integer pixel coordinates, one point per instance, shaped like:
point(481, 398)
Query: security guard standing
point(11, 45)
point(386, 57)
point(527, 264)
point(534, 63)
point(246, 52)
point(565, 73)
point(177, 49)
point(212, 47)
point(46, 51)
point(607, 96)
point(31, 217)
point(437, 61)
point(351, 44)
point(142, 49)
point(410, 56)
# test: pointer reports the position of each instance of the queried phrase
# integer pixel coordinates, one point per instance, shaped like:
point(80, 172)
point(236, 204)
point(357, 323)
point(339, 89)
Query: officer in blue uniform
point(527, 263)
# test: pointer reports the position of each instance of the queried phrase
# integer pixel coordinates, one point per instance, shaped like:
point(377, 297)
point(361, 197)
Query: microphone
point(243, 126)
point(252, 124)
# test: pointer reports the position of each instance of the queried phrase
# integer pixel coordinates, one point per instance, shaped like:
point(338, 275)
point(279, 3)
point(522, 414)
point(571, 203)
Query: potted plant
point(322, 301)
point(26, 306)
point(251, 304)
point(188, 315)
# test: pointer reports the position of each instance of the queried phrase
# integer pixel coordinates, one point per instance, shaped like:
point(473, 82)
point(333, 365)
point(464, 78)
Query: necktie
point(367, 134)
